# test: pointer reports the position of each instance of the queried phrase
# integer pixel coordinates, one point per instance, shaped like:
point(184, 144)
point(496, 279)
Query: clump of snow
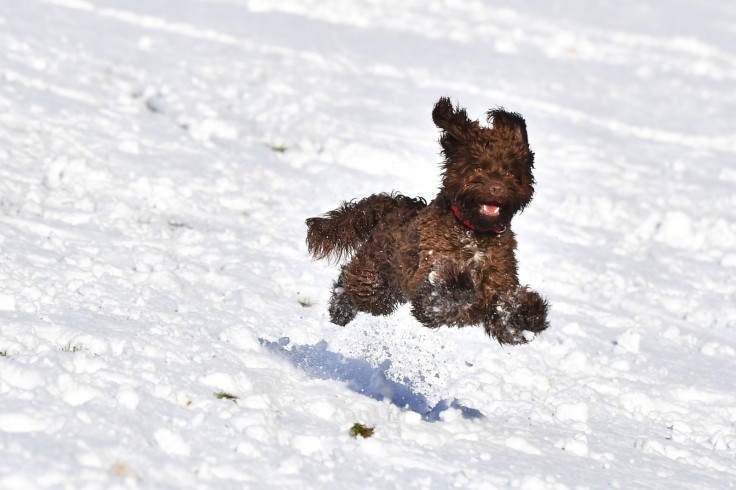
point(156, 168)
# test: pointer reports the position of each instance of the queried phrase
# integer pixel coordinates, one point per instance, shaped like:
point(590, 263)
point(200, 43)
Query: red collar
point(496, 229)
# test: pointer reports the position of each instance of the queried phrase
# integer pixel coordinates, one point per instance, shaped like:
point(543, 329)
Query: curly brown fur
point(454, 258)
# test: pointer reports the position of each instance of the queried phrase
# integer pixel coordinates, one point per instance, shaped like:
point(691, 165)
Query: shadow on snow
point(362, 378)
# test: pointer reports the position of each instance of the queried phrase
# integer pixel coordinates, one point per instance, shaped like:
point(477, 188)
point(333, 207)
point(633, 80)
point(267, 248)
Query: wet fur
point(402, 250)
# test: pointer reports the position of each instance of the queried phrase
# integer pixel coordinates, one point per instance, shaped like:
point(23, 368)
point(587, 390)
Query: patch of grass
point(306, 302)
point(4, 353)
point(221, 395)
point(359, 429)
point(179, 224)
point(278, 148)
point(72, 348)
point(122, 469)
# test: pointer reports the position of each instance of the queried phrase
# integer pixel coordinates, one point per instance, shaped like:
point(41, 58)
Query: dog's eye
point(478, 170)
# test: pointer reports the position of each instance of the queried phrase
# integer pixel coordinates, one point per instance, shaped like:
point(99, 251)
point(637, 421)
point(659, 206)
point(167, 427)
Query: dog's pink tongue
point(490, 210)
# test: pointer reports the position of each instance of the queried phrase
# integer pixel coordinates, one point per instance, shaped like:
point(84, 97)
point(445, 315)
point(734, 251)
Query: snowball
point(7, 302)
point(171, 442)
point(520, 444)
point(577, 412)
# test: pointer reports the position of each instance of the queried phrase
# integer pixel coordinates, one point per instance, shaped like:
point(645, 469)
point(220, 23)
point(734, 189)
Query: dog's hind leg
point(363, 286)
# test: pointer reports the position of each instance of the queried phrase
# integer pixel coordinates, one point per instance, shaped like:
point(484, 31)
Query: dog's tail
point(343, 230)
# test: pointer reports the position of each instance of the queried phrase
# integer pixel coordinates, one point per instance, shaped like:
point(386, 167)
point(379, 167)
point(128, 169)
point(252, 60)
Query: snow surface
point(158, 160)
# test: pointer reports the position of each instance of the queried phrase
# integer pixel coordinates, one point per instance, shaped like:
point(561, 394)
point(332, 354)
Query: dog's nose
point(496, 189)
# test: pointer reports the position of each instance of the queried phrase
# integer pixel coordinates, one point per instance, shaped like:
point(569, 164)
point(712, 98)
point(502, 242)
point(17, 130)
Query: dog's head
point(487, 170)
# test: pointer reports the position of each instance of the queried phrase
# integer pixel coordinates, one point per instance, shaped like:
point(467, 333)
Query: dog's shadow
point(361, 377)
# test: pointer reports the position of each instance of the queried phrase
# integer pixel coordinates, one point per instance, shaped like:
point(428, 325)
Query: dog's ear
point(453, 120)
point(511, 122)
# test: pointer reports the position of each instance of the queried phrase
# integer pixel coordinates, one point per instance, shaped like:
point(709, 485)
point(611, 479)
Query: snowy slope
point(158, 160)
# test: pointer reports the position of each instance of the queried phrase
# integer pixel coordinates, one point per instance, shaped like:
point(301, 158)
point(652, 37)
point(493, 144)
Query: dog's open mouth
point(489, 209)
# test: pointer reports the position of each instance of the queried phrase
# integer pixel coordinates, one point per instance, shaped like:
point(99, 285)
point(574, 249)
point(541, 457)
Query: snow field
point(157, 162)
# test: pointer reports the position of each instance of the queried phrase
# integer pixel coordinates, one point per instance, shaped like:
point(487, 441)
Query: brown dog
point(454, 258)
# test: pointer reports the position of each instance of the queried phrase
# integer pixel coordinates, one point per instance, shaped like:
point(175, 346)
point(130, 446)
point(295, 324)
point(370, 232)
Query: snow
point(158, 160)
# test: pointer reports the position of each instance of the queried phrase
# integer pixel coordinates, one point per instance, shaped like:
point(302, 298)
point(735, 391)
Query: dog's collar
point(496, 229)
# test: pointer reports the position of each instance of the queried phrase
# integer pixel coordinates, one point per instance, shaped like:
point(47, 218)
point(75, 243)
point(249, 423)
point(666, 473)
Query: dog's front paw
point(518, 316)
point(342, 311)
point(454, 283)
point(449, 291)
